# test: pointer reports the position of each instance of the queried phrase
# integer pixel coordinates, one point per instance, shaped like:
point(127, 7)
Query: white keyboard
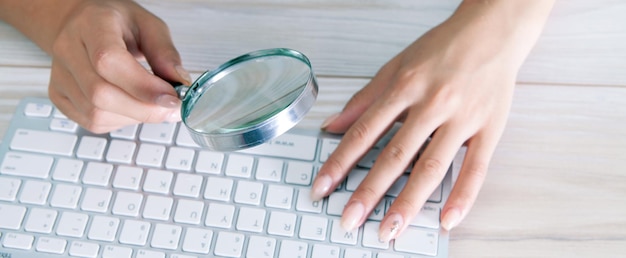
point(150, 191)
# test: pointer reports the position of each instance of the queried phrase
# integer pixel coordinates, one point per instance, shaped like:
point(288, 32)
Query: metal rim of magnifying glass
point(251, 136)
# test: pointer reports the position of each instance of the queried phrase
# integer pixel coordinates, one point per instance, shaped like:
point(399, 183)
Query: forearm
point(38, 20)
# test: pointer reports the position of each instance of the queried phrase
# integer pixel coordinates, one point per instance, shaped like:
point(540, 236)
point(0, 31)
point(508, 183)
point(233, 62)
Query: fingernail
point(390, 227)
point(183, 74)
point(167, 101)
point(174, 116)
point(321, 186)
point(352, 215)
point(329, 120)
point(450, 219)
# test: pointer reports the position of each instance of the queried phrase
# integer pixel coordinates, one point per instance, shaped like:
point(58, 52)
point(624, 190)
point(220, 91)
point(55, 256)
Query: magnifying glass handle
point(181, 89)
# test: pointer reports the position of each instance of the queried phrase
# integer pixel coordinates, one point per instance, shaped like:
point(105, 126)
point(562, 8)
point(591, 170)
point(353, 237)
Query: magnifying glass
point(248, 100)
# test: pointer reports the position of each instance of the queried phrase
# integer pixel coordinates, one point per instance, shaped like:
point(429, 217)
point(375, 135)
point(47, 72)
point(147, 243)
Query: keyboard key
point(27, 165)
point(111, 251)
point(197, 240)
point(209, 162)
point(336, 202)
point(282, 224)
point(229, 244)
point(251, 219)
point(218, 188)
point(358, 253)
point(184, 138)
point(239, 166)
point(293, 249)
point(11, 215)
point(63, 125)
point(67, 170)
point(157, 133)
point(279, 196)
point(150, 155)
point(91, 147)
point(189, 212)
point(18, 241)
point(248, 192)
point(43, 142)
point(97, 173)
point(37, 110)
point(325, 251)
point(188, 185)
point(158, 207)
point(96, 199)
point(179, 159)
point(127, 177)
point(219, 215)
point(35, 192)
point(261, 247)
point(304, 202)
point(84, 249)
point(428, 217)
point(370, 236)
point(417, 241)
point(135, 232)
point(127, 204)
point(121, 151)
point(328, 147)
point(66, 196)
point(339, 235)
point(313, 228)
point(9, 188)
point(103, 228)
point(166, 236)
point(40, 220)
point(299, 173)
point(288, 145)
point(127, 132)
point(149, 254)
point(269, 170)
point(158, 181)
point(51, 245)
point(72, 224)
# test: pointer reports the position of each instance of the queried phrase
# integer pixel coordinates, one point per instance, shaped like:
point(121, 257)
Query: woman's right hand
point(96, 79)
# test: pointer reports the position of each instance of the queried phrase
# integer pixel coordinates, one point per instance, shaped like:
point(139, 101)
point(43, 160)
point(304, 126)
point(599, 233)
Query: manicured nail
point(352, 215)
point(183, 74)
point(174, 116)
point(329, 120)
point(451, 219)
point(167, 101)
point(390, 227)
point(321, 186)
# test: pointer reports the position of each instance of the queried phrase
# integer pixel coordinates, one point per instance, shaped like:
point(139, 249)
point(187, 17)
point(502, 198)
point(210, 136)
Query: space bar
point(287, 146)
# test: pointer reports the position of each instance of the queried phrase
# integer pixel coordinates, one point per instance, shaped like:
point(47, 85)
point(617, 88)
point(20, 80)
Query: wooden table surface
point(557, 183)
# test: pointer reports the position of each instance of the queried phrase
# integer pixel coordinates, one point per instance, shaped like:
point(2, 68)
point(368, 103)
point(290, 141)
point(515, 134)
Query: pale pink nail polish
point(321, 186)
point(183, 74)
point(329, 120)
point(390, 227)
point(167, 101)
point(352, 215)
point(451, 219)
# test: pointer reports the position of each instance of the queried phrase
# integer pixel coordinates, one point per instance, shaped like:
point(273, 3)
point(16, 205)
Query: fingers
point(427, 174)
point(158, 48)
point(356, 141)
point(471, 177)
point(65, 94)
point(110, 58)
point(389, 165)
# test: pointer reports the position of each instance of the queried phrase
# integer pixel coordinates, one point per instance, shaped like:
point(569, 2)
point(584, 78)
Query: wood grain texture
point(584, 42)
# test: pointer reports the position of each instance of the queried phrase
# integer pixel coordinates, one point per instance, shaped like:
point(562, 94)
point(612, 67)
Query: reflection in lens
point(248, 94)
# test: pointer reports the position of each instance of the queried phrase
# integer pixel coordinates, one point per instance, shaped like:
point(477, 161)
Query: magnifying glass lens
point(250, 99)
point(251, 93)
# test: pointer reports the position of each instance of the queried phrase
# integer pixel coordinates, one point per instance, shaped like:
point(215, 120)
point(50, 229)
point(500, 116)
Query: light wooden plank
point(584, 41)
